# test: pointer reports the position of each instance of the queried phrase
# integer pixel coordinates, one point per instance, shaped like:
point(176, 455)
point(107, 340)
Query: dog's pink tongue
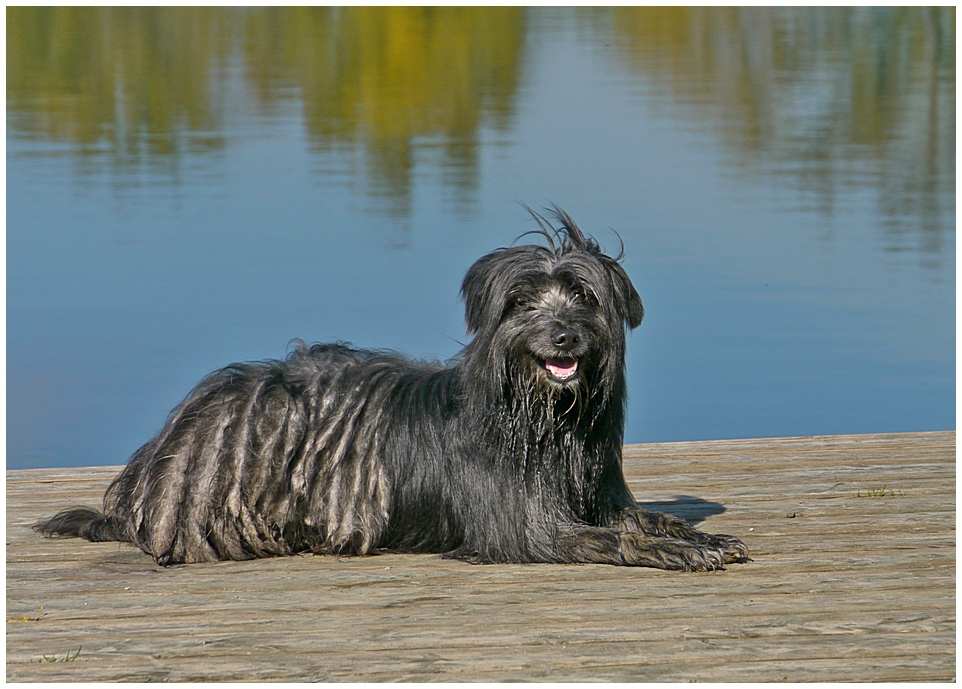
point(561, 368)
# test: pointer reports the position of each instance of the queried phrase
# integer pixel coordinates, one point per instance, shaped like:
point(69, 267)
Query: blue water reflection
point(783, 181)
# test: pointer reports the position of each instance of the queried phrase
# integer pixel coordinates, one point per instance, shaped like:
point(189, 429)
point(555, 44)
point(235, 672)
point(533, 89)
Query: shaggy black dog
point(510, 454)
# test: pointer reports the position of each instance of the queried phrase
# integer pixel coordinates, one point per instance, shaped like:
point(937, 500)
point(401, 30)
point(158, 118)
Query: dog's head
point(556, 312)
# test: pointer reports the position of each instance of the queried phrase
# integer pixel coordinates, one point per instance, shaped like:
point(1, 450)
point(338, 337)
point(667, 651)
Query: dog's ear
point(628, 300)
point(484, 290)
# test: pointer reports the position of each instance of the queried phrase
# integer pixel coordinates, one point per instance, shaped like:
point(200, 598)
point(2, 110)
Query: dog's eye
point(582, 296)
point(515, 305)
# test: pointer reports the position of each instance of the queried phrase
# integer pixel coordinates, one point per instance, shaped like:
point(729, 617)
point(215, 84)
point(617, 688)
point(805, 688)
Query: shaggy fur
point(510, 454)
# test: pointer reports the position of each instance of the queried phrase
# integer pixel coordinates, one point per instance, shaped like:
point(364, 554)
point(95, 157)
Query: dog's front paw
point(701, 558)
point(732, 548)
point(671, 553)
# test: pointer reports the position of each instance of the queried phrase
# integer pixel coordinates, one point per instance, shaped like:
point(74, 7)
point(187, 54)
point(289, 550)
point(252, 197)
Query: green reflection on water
point(811, 89)
point(814, 89)
point(144, 83)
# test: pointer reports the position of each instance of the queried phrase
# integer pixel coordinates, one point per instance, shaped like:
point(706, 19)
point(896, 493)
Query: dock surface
point(853, 579)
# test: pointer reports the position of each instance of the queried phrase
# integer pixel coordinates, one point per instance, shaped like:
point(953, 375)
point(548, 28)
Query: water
point(192, 187)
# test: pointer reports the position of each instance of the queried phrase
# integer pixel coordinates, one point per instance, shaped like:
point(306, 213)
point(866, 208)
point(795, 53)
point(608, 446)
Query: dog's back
point(261, 459)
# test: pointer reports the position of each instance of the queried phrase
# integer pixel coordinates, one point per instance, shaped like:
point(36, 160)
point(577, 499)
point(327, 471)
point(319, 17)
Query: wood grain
point(843, 587)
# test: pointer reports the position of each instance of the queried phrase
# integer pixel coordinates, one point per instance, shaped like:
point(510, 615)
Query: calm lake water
point(192, 187)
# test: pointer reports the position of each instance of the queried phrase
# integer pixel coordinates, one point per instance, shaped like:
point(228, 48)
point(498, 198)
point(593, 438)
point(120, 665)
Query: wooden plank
point(843, 587)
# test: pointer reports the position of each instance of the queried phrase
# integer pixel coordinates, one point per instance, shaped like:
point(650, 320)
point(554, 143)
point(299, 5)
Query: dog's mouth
point(561, 369)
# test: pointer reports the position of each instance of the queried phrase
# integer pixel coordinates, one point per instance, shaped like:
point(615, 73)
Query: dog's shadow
point(691, 509)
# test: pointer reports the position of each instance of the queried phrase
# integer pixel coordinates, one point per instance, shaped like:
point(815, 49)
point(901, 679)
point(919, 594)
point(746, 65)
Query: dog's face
point(553, 325)
point(557, 312)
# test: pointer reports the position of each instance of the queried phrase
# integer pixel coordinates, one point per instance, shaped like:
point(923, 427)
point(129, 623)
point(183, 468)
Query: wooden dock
point(853, 579)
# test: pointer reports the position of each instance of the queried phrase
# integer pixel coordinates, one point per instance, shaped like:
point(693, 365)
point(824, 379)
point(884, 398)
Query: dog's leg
point(592, 544)
point(659, 524)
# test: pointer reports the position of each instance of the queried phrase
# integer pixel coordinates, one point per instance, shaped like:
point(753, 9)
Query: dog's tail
point(82, 522)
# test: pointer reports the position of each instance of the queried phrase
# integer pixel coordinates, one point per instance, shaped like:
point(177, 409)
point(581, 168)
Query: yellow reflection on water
point(387, 77)
point(810, 87)
point(145, 81)
point(133, 79)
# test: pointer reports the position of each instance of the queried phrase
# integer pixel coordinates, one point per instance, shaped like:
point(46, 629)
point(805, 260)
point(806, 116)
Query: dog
point(509, 453)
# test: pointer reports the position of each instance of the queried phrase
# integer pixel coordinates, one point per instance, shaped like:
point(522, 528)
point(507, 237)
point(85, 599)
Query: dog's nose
point(565, 338)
